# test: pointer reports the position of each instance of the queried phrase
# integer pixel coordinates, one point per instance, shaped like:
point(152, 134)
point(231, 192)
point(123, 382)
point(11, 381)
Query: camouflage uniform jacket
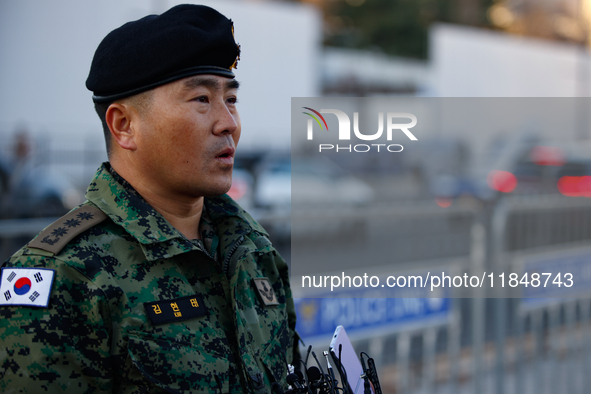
point(136, 307)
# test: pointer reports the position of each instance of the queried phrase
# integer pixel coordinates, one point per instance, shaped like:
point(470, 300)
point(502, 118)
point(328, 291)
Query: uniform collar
point(125, 206)
point(231, 222)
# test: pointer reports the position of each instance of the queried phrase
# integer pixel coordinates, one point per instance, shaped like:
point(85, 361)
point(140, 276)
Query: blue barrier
point(561, 276)
point(318, 317)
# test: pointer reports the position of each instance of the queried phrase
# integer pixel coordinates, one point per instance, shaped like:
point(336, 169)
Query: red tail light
point(502, 181)
point(547, 156)
point(575, 186)
point(443, 202)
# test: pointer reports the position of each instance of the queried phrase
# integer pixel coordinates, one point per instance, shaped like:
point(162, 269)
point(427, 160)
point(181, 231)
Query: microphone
point(313, 374)
point(342, 372)
point(366, 386)
point(374, 376)
point(308, 355)
point(318, 363)
point(294, 380)
point(314, 379)
point(370, 373)
point(333, 380)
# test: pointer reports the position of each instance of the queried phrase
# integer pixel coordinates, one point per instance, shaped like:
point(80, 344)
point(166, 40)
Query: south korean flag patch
point(26, 286)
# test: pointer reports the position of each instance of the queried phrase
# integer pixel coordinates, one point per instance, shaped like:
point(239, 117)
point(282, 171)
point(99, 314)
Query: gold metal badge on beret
point(235, 64)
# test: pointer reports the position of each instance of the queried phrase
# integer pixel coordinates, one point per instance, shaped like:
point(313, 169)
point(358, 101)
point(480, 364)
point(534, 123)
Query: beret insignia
point(235, 64)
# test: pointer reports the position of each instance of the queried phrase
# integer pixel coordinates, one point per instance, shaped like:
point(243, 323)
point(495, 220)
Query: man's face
point(187, 135)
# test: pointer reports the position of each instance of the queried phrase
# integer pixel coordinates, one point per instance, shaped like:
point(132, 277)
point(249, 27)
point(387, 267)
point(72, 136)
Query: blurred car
point(27, 192)
point(526, 168)
point(241, 190)
point(314, 181)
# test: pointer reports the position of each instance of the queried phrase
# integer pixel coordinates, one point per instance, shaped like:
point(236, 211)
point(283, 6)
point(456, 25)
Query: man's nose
point(227, 121)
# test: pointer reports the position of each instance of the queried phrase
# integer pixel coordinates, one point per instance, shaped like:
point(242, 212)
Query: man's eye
point(202, 99)
point(232, 100)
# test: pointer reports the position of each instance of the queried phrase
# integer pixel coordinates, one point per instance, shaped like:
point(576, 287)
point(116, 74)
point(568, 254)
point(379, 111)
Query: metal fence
point(506, 342)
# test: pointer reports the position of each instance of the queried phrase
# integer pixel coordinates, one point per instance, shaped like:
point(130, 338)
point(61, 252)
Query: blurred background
point(509, 198)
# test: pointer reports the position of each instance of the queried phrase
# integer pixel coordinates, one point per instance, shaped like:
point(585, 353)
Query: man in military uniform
point(158, 282)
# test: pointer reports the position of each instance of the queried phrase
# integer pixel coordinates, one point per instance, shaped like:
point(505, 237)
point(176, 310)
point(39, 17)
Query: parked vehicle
point(315, 181)
point(529, 167)
point(27, 191)
point(242, 188)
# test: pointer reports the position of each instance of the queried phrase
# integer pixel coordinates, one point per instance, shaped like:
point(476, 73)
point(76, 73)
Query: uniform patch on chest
point(26, 286)
point(265, 291)
point(184, 308)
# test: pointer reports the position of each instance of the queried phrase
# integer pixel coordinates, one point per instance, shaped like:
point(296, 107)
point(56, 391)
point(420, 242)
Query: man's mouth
point(226, 156)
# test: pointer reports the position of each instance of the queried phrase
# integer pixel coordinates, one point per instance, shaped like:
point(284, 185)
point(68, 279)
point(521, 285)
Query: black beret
point(157, 49)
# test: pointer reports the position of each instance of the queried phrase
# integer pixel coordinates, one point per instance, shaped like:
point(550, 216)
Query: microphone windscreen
point(292, 378)
point(314, 374)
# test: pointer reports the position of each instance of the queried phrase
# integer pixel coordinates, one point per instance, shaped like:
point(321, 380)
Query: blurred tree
point(558, 20)
point(400, 27)
point(395, 27)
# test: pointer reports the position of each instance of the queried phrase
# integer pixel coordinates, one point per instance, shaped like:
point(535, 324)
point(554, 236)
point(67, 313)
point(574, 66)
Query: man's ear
point(118, 118)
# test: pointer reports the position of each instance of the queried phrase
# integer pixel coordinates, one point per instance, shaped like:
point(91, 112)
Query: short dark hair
point(101, 110)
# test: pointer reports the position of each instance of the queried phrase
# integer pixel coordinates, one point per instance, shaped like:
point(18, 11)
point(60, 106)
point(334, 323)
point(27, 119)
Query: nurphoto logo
point(344, 132)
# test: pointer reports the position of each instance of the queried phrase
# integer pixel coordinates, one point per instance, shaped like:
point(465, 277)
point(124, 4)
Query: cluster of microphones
point(316, 380)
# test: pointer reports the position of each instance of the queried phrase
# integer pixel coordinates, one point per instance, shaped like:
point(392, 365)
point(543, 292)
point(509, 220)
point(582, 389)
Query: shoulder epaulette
point(59, 233)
